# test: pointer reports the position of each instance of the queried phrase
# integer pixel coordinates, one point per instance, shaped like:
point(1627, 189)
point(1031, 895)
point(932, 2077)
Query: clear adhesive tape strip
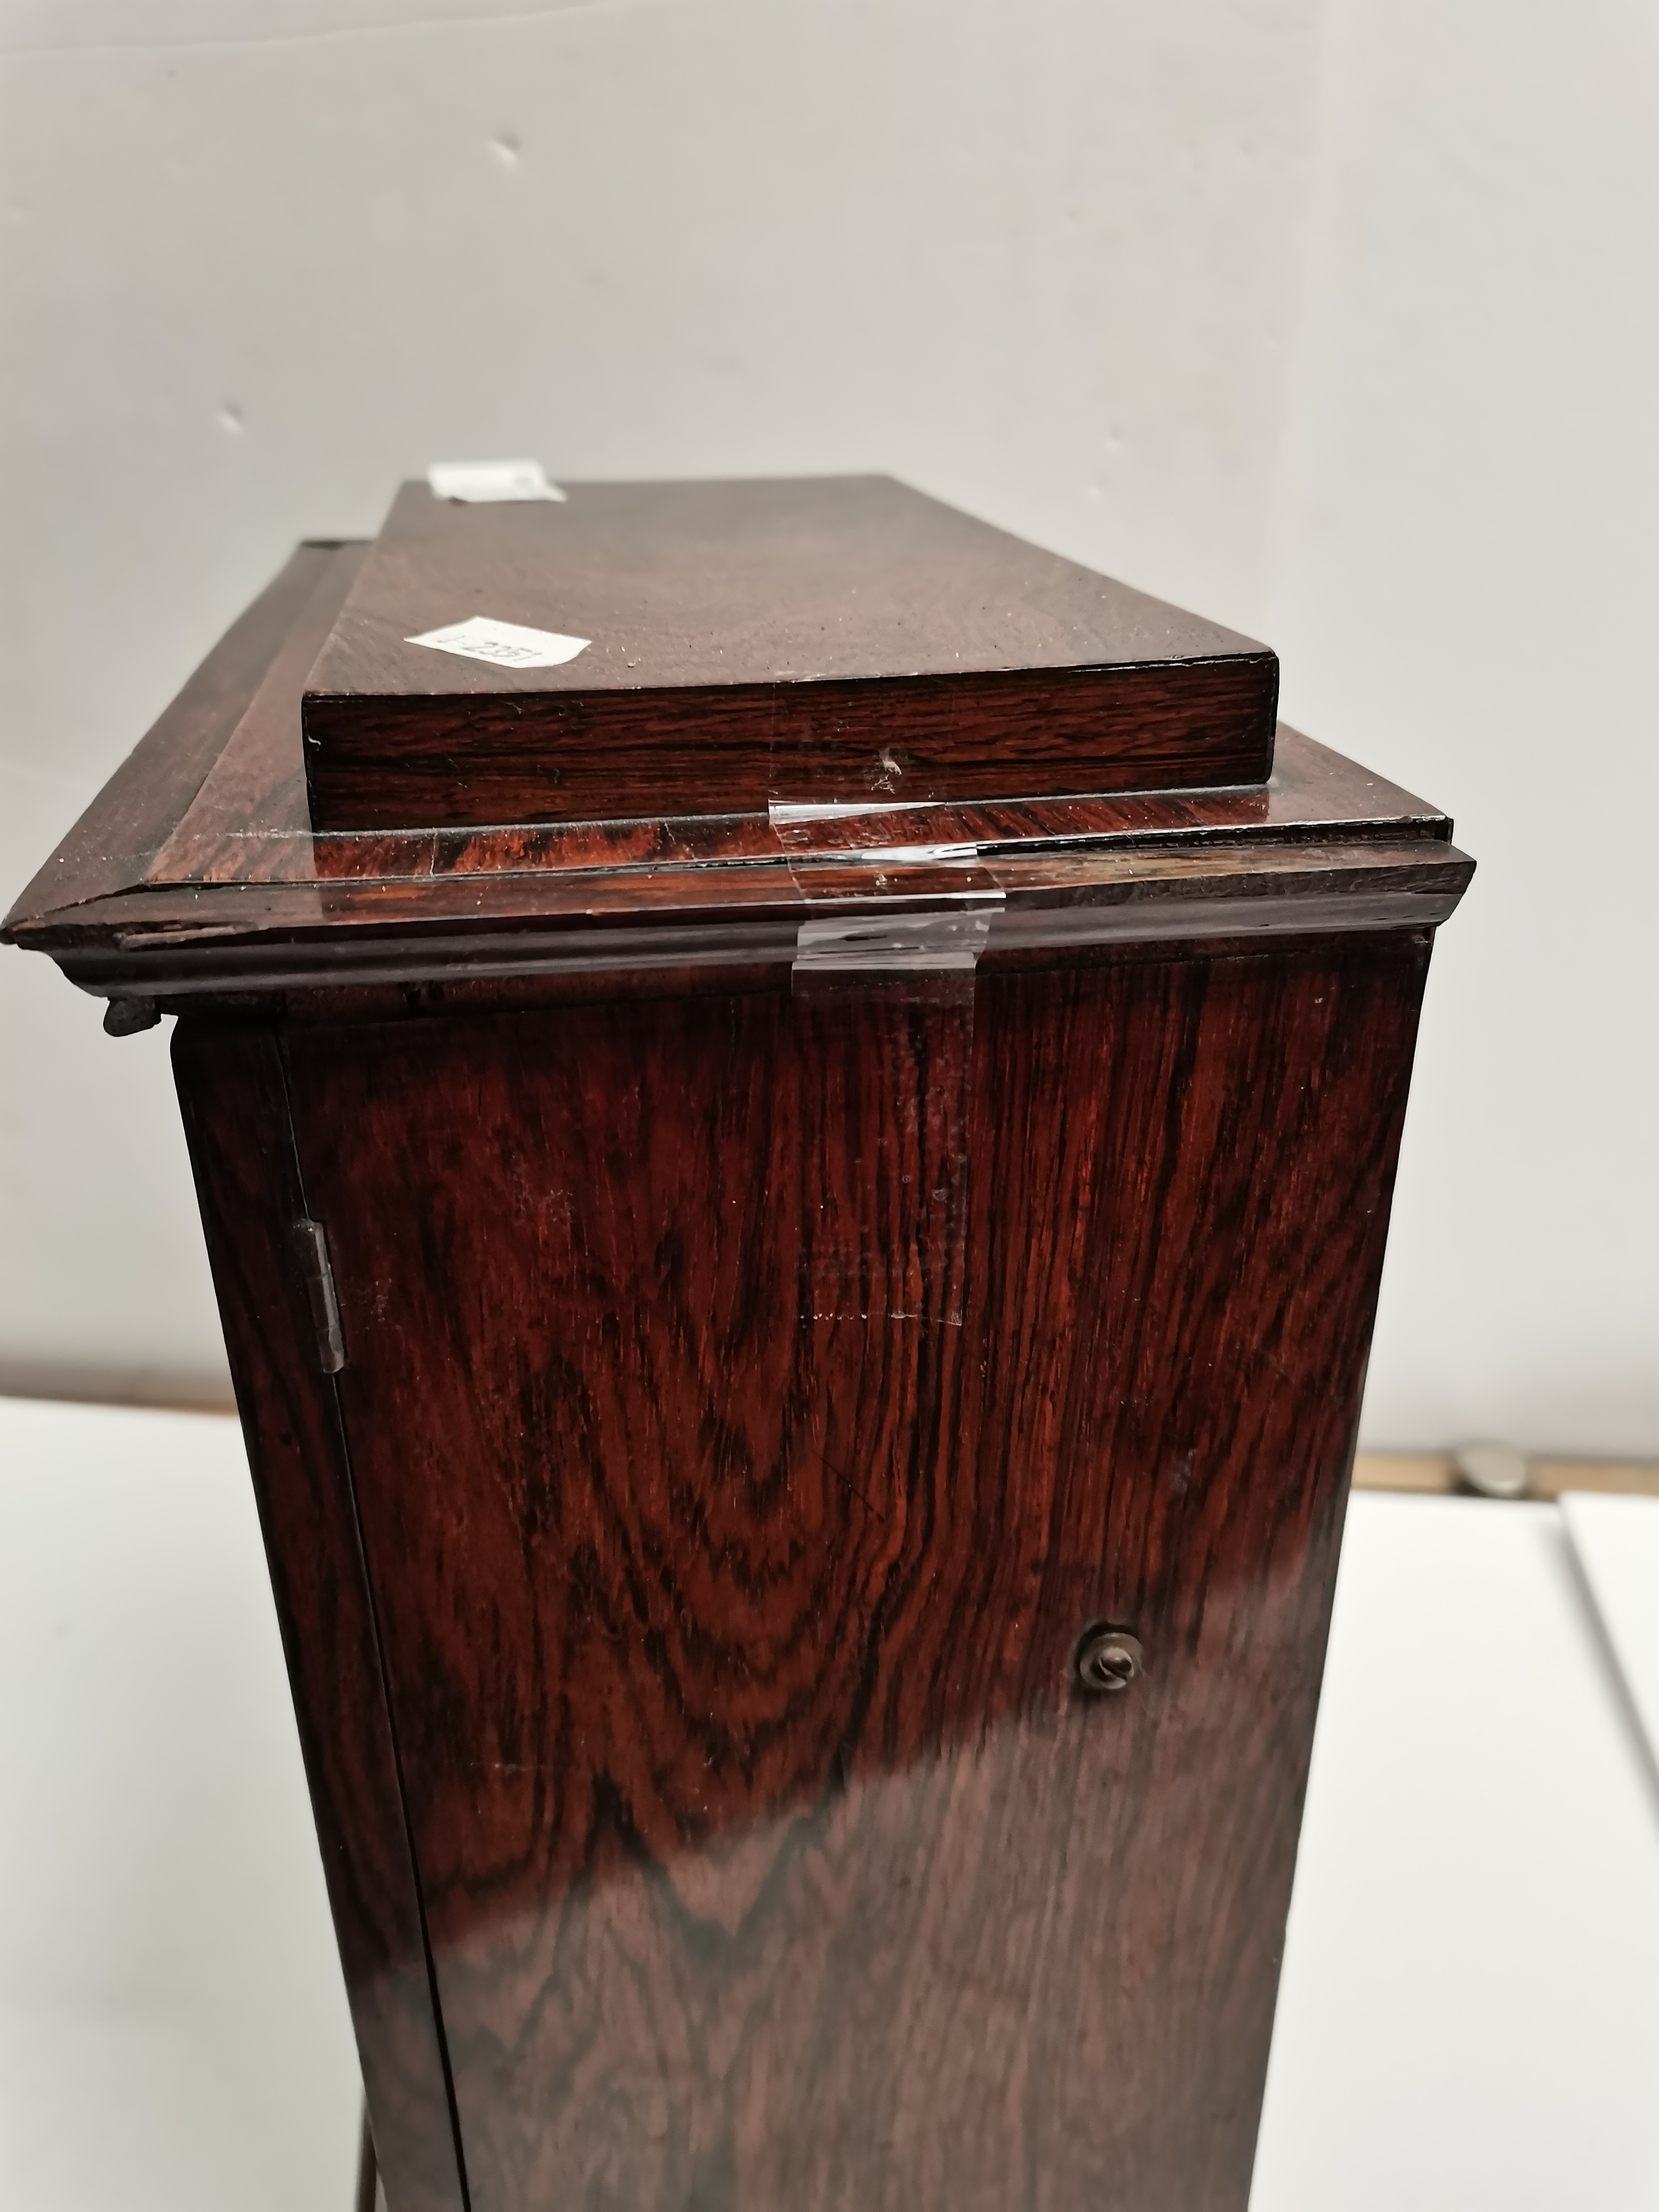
point(894, 945)
point(884, 1009)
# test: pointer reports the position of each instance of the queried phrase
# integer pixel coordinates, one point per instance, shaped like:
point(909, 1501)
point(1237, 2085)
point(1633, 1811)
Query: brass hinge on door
point(311, 1247)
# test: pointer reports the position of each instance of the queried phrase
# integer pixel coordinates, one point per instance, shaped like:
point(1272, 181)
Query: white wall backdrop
point(1330, 318)
point(1465, 585)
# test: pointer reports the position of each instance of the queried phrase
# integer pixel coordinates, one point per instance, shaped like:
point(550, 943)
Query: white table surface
point(1469, 2016)
point(1615, 1541)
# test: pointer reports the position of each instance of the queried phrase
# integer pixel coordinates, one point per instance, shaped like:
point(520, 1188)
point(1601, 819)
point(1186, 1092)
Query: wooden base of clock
point(728, 1311)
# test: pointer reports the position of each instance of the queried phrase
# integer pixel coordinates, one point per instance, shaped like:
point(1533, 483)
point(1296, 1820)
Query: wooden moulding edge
point(165, 965)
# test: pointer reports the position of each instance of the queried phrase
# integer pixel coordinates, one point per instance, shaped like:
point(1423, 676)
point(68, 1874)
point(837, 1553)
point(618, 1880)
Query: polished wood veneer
point(821, 641)
point(722, 1297)
point(799, 1376)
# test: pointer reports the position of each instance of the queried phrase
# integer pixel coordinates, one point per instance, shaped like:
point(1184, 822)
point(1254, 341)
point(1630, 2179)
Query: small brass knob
point(1109, 1659)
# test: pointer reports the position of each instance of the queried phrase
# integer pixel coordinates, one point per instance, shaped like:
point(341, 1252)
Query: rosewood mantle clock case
point(795, 1142)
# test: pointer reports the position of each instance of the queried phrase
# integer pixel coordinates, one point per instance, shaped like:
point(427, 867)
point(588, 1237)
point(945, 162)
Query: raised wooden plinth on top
point(819, 642)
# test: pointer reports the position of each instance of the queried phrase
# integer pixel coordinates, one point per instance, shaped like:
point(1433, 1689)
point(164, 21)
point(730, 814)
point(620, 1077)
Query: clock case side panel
point(233, 1095)
point(1183, 1160)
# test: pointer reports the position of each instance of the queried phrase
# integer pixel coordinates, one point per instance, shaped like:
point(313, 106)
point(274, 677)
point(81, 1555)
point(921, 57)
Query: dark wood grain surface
point(233, 892)
point(199, 875)
point(287, 938)
point(698, 584)
point(824, 639)
point(378, 763)
point(232, 1092)
point(750, 1400)
point(230, 837)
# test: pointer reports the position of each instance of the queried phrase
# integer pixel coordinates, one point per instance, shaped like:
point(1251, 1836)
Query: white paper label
point(484, 481)
point(507, 645)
